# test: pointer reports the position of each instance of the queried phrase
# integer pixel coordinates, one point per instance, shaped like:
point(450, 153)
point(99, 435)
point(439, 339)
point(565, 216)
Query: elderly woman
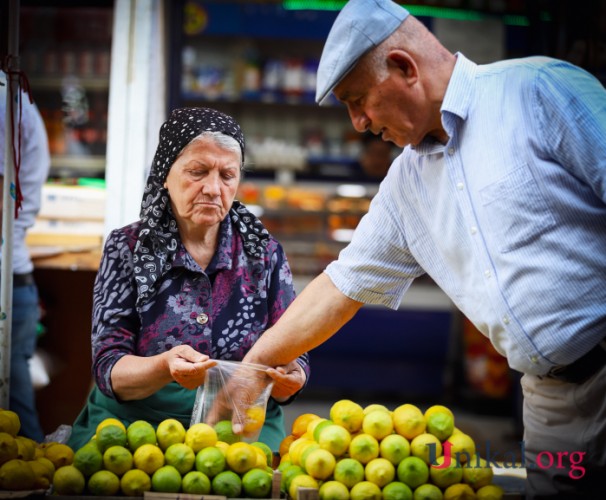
point(196, 279)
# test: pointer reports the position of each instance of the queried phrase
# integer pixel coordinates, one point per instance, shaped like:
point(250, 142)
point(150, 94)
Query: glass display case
point(65, 53)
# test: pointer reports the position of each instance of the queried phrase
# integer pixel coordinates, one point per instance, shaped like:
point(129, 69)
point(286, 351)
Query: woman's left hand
point(288, 380)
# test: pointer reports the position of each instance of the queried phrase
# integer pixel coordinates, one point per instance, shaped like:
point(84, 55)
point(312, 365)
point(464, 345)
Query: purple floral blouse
point(220, 311)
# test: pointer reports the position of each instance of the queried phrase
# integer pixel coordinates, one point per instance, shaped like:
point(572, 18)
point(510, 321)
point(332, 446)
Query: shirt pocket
point(516, 211)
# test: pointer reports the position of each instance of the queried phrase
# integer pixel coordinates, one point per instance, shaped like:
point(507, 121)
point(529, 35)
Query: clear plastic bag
point(236, 392)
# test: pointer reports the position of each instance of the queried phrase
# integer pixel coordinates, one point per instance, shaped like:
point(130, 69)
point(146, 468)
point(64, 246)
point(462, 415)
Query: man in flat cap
point(499, 195)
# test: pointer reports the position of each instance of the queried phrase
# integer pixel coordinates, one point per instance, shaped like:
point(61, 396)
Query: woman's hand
point(187, 366)
point(288, 380)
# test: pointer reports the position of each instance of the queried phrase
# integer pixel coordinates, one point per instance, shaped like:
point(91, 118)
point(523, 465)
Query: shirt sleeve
point(571, 109)
point(377, 267)
point(281, 294)
point(115, 321)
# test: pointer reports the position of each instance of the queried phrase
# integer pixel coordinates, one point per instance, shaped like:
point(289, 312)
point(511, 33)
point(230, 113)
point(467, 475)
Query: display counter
point(65, 283)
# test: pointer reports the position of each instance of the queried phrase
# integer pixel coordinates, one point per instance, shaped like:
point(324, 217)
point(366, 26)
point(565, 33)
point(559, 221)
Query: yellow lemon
point(222, 445)
point(288, 473)
point(319, 426)
point(320, 464)
point(170, 431)
point(16, 474)
point(254, 419)
point(477, 472)
point(9, 422)
point(301, 423)
point(378, 424)
point(9, 449)
point(301, 481)
point(181, 457)
point(408, 421)
point(376, 407)
point(462, 447)
point(490, 492)
point(347, 414)
point(394, 448)
point(68, 481)
point(380, 471)
point(227, 483)
point(296, 449)
point(148, 458)
point(135, 482)
point(26, 448)
point(306, 451)
point(103, 483)
point(459, 491)
point(42, 476)
point(210, 461)
point(48, 464)
point(363, 448)
point(311, 426)
point(426, 446)
point(335, 439)
point(200, 436)
point(257, 483)
point(444, 476)
point(349, 472)
point(269, 456)
point(365, 490)
point(333, 490)
point(59, 454)
point(241, 457)
point(110, 421)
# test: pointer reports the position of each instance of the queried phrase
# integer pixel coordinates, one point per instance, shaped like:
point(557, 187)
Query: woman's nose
point(212, 185)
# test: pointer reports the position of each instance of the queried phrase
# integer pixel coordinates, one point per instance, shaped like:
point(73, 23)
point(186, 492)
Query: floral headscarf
point(159, 237)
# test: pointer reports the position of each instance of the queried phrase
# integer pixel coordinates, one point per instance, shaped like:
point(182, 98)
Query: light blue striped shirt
point(508, 217)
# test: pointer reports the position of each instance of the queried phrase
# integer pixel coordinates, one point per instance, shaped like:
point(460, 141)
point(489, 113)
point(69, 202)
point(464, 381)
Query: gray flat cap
point(360, 26)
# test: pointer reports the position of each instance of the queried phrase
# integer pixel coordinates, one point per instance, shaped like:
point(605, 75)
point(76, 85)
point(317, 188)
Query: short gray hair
point(222, 140)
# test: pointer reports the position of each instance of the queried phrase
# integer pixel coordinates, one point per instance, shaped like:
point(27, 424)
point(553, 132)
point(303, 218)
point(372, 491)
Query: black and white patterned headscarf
point(159, 237)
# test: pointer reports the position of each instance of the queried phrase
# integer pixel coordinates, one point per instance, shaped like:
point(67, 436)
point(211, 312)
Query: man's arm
point(314, 316)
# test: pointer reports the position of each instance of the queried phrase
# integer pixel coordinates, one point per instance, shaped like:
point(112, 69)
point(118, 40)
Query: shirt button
point(487, 273)
point(460, 186)
point(451, 151)
point(202, 318)
point(506, 320)
point(473, 229)
point(534, 359)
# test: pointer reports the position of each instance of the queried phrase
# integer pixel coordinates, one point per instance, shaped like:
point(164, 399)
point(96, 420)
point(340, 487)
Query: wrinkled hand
point(235, 399)
point(187, 366)
point(288, 380)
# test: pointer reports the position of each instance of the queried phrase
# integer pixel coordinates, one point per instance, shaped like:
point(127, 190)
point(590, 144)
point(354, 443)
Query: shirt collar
point(222, 259)
point(460, 87)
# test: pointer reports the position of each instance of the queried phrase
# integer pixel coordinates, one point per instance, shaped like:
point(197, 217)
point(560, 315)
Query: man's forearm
point(315, 315)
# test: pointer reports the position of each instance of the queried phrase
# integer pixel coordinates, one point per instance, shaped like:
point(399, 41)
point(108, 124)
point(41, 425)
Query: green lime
point(166, 479)
point(104, 483)
point(196, 483)
point(257, 483)
point(227, 483)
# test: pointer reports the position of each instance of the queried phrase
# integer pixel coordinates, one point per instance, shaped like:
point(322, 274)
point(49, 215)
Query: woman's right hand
point(187, 366)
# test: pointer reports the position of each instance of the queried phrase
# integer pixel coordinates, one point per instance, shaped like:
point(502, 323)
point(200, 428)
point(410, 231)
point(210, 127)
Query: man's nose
point(359, 120)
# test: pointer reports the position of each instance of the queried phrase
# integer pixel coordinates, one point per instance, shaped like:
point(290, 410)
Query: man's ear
point(404, 62)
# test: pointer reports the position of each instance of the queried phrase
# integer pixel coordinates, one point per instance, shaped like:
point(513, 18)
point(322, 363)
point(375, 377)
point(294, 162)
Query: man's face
point(391, 104)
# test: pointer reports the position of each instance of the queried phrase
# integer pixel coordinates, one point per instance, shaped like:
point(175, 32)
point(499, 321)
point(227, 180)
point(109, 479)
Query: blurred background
point(105, 74)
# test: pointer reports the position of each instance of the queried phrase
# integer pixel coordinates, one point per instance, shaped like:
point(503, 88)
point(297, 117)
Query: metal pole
point(8, 205)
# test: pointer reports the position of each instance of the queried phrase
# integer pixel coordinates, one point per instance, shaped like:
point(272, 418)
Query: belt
point(583, 368)
point(23, 279)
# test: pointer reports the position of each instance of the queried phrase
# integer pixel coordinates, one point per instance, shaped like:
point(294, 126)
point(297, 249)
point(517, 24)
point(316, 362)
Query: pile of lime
point(200, 460)
point(375, 453)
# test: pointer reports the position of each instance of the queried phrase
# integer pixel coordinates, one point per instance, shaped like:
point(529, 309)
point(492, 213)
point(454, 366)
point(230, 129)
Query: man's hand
point(288, 380)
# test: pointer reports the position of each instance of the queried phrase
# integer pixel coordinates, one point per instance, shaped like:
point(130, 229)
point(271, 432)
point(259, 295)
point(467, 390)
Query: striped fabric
point(508, 217)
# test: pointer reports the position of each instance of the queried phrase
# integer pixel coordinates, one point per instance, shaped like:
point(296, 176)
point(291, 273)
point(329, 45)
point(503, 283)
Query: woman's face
point(202, 183)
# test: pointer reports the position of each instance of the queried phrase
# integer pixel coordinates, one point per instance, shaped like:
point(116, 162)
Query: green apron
point(172, 401)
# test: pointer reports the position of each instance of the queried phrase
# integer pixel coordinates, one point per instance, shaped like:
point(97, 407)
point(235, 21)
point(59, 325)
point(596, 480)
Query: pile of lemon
point(200, 460)
point(374, 453)
point(24, 463)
